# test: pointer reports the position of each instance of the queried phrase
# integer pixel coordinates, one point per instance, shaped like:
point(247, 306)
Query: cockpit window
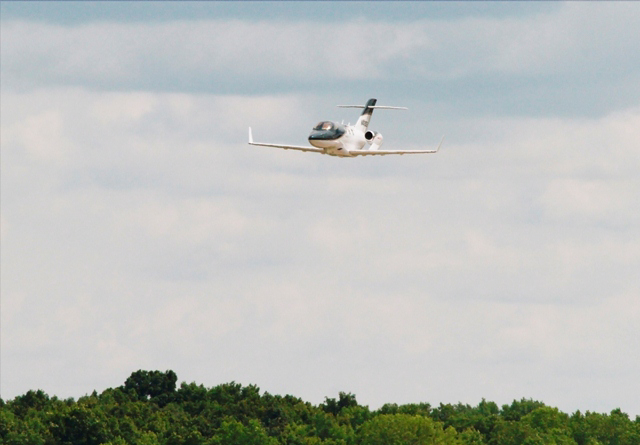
point(324, 126)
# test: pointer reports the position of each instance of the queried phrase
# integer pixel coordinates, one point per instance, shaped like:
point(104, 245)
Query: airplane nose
point(319, 139)
point(322, 136)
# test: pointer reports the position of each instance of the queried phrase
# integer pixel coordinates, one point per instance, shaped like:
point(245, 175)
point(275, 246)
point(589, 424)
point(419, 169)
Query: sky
point(141, 231)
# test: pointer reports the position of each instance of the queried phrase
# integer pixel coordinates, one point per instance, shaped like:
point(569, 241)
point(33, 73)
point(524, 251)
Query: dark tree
point(333, 406)
point(155, 385)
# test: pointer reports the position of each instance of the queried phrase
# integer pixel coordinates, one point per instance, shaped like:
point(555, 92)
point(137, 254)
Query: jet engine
point(374, 139)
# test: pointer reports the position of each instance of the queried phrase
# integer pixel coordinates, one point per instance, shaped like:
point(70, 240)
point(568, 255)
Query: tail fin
point(365, 117)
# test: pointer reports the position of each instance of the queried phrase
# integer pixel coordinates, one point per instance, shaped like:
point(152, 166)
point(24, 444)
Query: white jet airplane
point(331, 138)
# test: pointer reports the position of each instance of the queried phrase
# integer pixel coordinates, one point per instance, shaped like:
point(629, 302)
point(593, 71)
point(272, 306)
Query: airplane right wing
point(387, 152)
point(286, 147)
point(392, 152)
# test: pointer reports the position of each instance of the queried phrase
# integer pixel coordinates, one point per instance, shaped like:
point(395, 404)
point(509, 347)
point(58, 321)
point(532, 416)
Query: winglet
point(440, 144)
point(250, 136)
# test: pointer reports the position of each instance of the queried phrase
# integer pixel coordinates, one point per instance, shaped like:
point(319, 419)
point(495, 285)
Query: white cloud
point(586, 41)
point(601, 200)
point(40, 135)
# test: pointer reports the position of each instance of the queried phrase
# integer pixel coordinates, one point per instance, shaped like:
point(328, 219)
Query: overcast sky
point(140, 231)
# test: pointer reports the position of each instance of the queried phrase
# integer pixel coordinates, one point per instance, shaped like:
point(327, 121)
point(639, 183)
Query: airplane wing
point(379, 107)
point(286, 147)
point(387, 152)
point(392, 152)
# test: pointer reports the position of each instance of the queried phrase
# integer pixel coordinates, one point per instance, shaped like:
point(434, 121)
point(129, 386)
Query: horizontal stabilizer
point(381, 107)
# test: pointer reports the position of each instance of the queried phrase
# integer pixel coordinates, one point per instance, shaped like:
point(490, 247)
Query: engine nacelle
point(374, 139)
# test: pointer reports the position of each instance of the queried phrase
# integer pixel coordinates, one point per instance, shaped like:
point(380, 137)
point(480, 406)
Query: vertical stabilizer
point(365, 117)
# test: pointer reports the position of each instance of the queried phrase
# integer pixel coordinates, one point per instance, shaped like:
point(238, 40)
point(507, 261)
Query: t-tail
point(365, 117)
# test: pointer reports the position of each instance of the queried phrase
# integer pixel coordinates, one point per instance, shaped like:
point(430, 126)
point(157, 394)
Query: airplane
point(333, 139)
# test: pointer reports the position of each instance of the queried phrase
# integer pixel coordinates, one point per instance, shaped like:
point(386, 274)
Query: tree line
point(149, 409)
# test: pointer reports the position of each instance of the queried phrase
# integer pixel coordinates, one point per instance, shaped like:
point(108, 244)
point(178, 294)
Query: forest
point(150, 409)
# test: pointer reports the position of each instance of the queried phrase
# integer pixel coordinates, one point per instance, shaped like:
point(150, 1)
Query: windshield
point(323, 126)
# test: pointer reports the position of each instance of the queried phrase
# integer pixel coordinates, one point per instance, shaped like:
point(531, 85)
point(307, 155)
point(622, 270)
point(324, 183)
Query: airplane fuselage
point(337, 139)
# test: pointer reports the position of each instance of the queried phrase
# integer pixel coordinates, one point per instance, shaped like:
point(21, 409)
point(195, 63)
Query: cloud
point(584, 41)
point(116, 55)
point(591, 200)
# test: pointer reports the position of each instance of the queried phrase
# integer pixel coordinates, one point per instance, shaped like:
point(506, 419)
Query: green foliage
point(518, 409)
point(155, 385)
point(233, 432)
point(596, 429)
point(471, 436)
point(149, 410)
point(416, 409)
point(334, 407)
point(405, 429)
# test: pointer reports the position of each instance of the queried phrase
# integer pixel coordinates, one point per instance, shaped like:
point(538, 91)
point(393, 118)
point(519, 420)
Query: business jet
point(333, 139)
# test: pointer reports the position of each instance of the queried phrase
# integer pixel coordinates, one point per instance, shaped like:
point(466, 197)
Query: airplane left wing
point(392, 152)
point(286, 147)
